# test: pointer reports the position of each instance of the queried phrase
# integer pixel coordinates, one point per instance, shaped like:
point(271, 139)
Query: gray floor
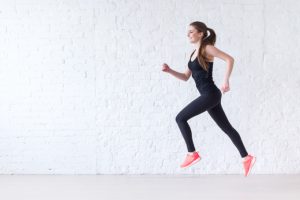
point(90, 187)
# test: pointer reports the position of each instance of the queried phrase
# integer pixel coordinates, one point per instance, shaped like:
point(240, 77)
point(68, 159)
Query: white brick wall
point(82, 91)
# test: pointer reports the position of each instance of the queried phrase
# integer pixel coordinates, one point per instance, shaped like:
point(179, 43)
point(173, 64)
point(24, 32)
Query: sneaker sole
point(195, 161)
point(251, 165)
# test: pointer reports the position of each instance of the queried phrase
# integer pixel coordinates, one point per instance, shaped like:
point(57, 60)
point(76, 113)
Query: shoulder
point(210, 48)
point(209, 51)
point(215, 52)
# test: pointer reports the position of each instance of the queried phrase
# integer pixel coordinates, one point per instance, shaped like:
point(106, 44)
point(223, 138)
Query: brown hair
point(211, 39)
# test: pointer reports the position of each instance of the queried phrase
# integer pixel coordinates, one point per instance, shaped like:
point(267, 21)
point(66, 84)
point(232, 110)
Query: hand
point(165, 67)
point(225, 87)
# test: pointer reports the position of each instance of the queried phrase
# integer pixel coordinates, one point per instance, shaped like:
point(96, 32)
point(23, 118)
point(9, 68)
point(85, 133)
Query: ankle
point(246, 158)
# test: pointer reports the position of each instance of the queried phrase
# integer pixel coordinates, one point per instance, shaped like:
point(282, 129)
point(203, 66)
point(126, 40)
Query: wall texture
point(82, 91)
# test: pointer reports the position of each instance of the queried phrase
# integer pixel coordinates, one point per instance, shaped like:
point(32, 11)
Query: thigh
point(197, 106)
point(219, 116)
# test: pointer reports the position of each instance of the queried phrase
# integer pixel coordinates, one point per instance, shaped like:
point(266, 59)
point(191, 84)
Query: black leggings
point(210, 102)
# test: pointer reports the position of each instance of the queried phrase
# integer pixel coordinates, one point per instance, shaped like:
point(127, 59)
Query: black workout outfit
point(210, 101)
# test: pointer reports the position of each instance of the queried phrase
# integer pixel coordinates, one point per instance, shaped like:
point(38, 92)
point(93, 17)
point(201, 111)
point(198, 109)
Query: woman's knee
point(180, 118)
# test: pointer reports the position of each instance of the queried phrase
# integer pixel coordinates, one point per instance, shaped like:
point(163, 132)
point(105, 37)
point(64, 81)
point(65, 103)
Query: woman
point(200, 66)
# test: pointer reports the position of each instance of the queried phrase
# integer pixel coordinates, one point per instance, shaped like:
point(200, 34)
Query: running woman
point(200, 66)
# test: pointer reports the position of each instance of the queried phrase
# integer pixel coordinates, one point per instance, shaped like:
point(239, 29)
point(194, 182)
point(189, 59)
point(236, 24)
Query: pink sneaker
point(190, 159)
point(248, 164)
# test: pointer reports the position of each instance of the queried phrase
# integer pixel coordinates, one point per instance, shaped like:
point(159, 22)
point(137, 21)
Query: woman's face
point(193, 35)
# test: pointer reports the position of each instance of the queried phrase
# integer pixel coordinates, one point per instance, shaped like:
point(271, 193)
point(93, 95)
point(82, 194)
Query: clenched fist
point(165, 67)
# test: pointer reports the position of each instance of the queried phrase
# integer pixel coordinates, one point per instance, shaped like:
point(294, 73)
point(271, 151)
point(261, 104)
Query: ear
point(201, 34)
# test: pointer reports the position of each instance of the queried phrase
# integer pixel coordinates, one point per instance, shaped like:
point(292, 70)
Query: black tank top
point(203, 79)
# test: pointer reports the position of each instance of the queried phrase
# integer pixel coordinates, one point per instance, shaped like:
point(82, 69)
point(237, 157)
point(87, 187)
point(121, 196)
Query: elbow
point(186, 78)
point(230, 61)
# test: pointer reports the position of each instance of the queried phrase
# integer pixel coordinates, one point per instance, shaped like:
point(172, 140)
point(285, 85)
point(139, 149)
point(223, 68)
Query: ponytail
point(211, 39)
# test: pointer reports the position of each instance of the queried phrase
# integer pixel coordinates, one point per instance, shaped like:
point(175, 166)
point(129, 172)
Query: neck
point(197, 45)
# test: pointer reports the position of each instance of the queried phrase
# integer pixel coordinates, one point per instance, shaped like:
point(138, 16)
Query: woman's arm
point(182, 76)
point(215, 52)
